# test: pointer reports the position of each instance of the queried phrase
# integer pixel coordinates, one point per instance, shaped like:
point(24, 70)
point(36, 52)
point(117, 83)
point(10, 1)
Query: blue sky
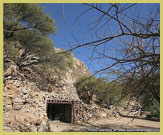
point(64, 38)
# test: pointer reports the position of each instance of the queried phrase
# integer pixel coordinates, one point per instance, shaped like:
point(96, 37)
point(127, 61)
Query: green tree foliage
point(146, 91)
point(106, 93)
point(18, 17)
point(58, 62)
point(151, 105)
point(28, 25)
point(51, 69)
point(26, 37)
point(111, 94)
point(34, 41)
point(87, 87)
point(147, 100)
point(11, 51)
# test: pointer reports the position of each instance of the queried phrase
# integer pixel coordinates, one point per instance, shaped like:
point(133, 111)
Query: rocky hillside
point(35, 71)
point(24, 102)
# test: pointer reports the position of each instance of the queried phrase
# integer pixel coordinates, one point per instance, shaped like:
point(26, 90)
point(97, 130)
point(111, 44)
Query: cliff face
point(24, 104)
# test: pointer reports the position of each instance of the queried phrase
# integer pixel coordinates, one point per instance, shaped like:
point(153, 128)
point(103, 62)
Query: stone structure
point(25, 105)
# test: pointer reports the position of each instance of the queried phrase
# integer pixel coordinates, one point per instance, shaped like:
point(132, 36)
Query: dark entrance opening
point(59, 111)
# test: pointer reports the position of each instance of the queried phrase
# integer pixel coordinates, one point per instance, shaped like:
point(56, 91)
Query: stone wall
point(24, 104)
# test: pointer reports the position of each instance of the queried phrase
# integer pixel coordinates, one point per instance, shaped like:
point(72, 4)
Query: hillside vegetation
point(27, 44)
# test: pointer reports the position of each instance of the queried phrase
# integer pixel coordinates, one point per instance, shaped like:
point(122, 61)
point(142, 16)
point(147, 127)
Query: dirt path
point(109, 123)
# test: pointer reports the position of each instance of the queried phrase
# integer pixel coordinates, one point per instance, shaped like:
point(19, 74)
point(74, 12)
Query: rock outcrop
point(24, 104)
point(25, 96)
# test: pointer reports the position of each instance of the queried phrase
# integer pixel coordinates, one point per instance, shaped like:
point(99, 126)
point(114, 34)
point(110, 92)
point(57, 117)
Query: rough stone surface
point(24, 104)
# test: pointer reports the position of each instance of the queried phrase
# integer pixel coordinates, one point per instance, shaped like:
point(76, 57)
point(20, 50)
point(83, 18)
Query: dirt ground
point(105, 125)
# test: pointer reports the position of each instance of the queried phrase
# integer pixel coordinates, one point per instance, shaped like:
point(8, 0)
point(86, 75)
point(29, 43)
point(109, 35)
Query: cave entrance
point(61, 110)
